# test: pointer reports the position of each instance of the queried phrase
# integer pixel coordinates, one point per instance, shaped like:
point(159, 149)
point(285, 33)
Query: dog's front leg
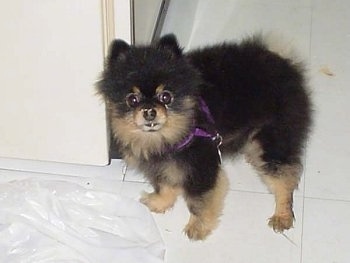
point(206, 209)
point(162, 199)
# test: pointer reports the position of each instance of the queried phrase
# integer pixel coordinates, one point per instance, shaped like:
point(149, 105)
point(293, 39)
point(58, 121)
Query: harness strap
point(199, 132)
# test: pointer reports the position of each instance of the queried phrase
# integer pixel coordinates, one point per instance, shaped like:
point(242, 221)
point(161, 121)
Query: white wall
point(51, 57)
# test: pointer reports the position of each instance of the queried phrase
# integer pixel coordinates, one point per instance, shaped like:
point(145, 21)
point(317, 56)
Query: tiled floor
point(320, 31)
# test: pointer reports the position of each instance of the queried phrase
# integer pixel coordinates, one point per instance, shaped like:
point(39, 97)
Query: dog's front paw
point(199, 229)
point(155, 202)
point(281, 222)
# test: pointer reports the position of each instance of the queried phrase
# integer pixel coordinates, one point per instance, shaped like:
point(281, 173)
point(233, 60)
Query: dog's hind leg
point(282, 184)
point(206, 209)
point(282, 179)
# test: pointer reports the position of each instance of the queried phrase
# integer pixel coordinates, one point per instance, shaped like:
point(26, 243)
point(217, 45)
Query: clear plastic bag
point(56, 221)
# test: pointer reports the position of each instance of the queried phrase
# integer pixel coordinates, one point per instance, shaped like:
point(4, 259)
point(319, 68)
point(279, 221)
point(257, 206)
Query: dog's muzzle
point(149, 114)
point(150, 121)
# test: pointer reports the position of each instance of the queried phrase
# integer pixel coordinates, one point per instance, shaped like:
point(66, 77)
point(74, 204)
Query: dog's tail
point(279, 44)
point(287, 48)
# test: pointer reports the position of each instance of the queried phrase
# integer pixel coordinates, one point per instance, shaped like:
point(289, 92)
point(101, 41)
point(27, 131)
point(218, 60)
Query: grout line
point(303, 214)
point(263, 193)
point(305, 160)
point(249, 191)
point(37, 174)
point(136, 182)
point(327, 199)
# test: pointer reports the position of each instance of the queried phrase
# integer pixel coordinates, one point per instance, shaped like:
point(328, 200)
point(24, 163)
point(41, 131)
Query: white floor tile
point(105, 181)
point(243, 177)
point(132, 175)
point(243, 229)
point(329, 148)
point(326, 235)
point(134, 189)
point(111, 171)
point(242, 236)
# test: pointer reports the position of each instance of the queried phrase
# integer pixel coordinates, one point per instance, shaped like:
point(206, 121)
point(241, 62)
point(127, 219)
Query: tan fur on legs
point(206, 210)
point(282, 186)
point(281, 183)
point(162, 201)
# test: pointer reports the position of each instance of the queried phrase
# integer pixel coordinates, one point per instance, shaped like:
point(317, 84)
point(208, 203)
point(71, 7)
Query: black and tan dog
point(170, 111)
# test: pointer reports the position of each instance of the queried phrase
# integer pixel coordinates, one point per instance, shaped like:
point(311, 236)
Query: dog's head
point(151, 93)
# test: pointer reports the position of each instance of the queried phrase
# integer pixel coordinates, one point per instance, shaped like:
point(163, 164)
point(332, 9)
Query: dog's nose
point(149, 114)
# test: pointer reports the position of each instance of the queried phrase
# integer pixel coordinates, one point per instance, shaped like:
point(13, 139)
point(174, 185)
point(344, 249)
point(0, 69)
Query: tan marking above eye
point(136, 90)
point(160, 89)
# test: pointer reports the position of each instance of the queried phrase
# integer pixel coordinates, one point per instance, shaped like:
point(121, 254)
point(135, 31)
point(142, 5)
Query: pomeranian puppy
point(170, 112)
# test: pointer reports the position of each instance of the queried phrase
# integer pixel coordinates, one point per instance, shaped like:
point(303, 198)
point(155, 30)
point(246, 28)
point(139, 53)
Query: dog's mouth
point(151, 126)
point(150, 120)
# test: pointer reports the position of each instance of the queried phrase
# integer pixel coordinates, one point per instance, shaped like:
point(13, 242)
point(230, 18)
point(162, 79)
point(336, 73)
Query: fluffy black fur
point(248, 88)
point(252, 93)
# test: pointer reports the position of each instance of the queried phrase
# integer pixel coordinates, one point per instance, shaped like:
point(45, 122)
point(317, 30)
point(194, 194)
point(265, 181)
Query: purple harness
point(199, 132)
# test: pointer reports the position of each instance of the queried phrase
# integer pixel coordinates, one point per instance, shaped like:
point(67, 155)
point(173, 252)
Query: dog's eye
point(132, 100)
point(165, 97)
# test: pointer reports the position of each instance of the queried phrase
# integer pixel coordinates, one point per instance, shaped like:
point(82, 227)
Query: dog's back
point(249, 88)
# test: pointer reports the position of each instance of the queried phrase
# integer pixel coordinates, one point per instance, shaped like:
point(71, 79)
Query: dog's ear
point(117, 50)
point(169, 42)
